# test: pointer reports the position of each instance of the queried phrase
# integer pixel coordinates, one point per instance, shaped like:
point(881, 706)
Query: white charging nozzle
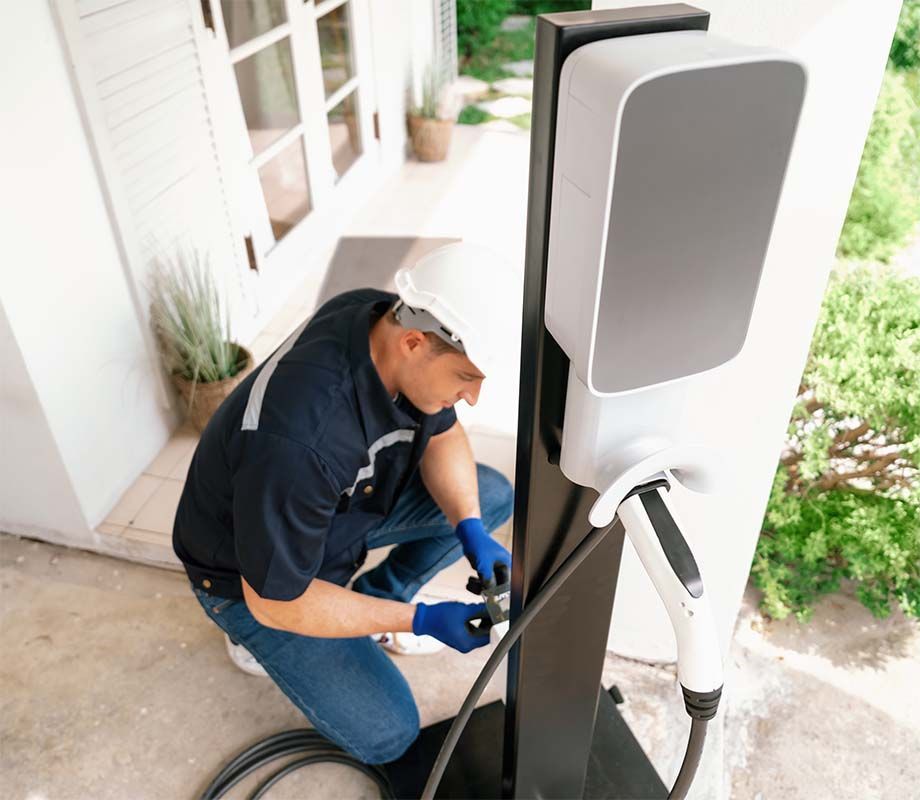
point(658, 541)
point(668, 560)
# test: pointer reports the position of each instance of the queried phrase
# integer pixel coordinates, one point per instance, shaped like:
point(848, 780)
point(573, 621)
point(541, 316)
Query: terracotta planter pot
point(430, 137)
point(207, 397)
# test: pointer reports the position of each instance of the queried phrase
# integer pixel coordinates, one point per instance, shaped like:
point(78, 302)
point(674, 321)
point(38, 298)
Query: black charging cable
point(320, 749)
point(536, 604)
point(315, 749)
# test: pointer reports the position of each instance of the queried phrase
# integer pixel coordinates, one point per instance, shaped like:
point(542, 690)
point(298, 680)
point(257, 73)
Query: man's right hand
point(450, 622)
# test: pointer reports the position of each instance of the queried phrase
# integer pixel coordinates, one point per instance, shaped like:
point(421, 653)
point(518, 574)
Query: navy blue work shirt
point(303, 459)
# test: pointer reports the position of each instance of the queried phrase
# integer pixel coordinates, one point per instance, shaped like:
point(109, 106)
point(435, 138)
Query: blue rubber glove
point(451, 623)
point(482, 551)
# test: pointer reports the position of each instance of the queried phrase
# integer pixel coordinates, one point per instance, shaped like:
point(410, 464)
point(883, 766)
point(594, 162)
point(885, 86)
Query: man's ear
point(413, 341)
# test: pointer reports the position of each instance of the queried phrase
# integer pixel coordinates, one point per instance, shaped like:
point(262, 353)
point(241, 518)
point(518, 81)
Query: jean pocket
point(213, 603)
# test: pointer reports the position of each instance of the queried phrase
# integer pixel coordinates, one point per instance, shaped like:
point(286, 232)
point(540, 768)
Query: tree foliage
point(885, 204)
point(905, 47)
point(477, 23)
point(845, 503)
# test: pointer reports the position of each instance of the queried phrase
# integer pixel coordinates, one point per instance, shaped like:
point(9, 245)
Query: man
point(345, 439)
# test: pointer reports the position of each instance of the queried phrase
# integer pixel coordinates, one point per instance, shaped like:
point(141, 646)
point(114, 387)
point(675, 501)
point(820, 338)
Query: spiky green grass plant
point(192, 328)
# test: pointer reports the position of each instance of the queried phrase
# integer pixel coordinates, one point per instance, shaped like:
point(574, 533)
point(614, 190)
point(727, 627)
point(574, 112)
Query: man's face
point(433, 381)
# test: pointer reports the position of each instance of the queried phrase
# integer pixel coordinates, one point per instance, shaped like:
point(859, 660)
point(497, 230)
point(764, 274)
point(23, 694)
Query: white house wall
point(66, 300)
point(844, 45)
point(34, 485)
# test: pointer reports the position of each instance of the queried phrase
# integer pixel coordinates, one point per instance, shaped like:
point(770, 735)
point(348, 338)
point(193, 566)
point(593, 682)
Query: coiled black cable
point(317, 748)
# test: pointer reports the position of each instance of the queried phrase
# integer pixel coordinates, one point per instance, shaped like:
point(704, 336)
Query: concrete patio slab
point(516, 22)
point(116, 685)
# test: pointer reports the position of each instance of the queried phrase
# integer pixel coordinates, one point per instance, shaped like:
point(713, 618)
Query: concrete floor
point(115, 685)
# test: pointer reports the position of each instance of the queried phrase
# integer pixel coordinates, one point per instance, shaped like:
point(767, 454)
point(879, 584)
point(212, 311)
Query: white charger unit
point(671, 150)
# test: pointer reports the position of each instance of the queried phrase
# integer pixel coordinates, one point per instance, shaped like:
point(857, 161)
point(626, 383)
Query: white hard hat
point(470, 292)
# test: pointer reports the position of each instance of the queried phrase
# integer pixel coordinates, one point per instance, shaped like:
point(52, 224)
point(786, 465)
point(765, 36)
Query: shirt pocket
point(376, 493)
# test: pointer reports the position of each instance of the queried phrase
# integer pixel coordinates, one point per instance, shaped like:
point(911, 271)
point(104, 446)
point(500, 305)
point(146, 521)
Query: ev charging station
point(658, 153)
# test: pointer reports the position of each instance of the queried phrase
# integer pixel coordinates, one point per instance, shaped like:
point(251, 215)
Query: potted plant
point(432, 122)
point(193, 332)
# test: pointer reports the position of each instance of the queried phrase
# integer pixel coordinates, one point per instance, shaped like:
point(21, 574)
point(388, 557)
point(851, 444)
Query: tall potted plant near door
point(192, 328)
point(431, 123)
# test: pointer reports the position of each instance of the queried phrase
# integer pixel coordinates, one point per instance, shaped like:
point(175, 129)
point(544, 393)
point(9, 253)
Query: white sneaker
point(243, 659)
point(408, 644)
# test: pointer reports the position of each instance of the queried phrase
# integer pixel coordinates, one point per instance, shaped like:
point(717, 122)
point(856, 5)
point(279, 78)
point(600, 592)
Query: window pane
point(266, 84)
point(284, 184)
point(335, 48)
point(344, 135)
point(246, 19)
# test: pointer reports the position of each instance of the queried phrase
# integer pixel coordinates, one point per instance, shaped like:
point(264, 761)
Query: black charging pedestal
point(560, 735)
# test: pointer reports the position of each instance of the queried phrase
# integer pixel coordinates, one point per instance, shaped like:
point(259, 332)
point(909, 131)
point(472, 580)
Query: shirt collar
point(379, 414)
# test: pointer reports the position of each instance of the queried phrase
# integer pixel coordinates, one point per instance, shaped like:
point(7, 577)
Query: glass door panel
point(301, 71)
point(246, 19)
point(335, 49)
point(266, 85)
point(263, 44)
point(340, 83)
point(284, 185)
point(344, 135)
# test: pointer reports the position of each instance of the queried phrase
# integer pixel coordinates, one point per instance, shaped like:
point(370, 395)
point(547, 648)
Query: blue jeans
point(349, 689)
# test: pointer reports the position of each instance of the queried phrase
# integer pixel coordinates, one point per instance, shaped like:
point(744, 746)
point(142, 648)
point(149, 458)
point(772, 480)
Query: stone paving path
point(506, 107)
point(506, 101)
point(523, 69)
point(521, 87)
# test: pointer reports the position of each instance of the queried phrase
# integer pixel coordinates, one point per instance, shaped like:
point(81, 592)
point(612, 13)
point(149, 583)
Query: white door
point(301, 114)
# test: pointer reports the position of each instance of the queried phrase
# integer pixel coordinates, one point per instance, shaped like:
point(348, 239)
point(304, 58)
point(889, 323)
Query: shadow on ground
point(360, 261)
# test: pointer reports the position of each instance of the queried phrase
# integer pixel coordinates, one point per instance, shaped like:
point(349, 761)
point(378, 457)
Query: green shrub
point(507, 46)
point(473, 115)
point(905, 48)
point(845, 503)
point(885, 204)
point(477, 23)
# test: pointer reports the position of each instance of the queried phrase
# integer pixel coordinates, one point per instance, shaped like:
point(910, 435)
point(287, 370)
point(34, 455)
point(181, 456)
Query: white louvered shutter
point(138, 71)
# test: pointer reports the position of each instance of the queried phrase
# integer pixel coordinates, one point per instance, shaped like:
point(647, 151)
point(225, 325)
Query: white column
point(844, 44)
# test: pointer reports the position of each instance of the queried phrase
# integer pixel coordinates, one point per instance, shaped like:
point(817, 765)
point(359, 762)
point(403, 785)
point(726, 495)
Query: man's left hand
point(484, 554)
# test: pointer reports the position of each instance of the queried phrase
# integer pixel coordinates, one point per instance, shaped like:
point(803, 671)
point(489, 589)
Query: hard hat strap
point(424, 320)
